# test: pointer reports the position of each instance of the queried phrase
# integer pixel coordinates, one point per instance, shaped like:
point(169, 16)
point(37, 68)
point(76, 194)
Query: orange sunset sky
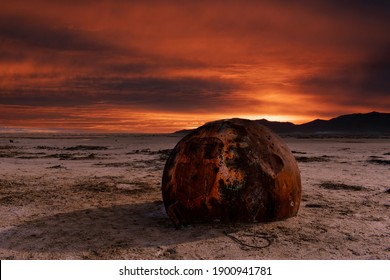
point(161, 66)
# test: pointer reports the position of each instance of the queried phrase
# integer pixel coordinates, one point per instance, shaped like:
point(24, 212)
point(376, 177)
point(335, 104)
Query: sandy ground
point(98, 197)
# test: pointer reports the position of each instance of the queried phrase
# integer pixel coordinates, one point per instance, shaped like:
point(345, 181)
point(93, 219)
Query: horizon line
point(21, 130)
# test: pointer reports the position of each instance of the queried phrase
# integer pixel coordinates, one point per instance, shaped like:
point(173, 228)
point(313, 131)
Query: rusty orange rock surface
point(232, 170)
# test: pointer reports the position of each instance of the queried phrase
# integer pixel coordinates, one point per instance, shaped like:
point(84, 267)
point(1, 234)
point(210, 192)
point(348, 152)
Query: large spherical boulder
point(232, 170)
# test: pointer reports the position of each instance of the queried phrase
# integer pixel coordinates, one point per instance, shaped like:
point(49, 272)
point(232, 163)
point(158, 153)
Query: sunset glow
point(161, 66)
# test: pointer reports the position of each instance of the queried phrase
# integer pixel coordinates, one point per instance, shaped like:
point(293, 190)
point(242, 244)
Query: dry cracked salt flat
point(98, 197)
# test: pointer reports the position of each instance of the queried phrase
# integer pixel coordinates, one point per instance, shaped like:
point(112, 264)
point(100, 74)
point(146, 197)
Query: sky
point(161, 66)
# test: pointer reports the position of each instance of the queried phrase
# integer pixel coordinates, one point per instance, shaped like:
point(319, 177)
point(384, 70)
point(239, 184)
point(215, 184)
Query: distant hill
point(278, 127)
point(183, 131)
point(373, 123)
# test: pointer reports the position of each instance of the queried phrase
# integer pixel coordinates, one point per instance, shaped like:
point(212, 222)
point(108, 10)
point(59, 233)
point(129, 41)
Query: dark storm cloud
point(373, 7)
point(166, 94)
point(174, 94)
point(53, 43)
point(26, 114)
point(364, 83)
point(11, 55)
point(32, 32)
point(377, 74)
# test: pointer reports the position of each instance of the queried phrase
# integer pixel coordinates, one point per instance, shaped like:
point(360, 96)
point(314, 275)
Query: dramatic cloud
point(161, 65)
point(163, 94)
point(362, 84)
point(34, 32)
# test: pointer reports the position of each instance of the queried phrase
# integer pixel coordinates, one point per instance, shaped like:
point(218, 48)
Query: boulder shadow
point(119, 226)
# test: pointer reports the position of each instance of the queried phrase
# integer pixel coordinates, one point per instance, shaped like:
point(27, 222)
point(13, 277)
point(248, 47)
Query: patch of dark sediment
point(49, 148)
point(379, 161)
point(9, 154)
point(340, 186)
point(143, 151)
point(113, 185)
point(323, 158)
point(17, 199)
point(31, 155)
point(315, 205)
point(4, 184)
point(163, 154)
point(137, 164)
point(56, 167)
point(115, 164)
point(7, 147)
point(22, 197)
point(146, 163)
point(298, 152)
point(86, 148)
point(77, 156)
point(8, 151)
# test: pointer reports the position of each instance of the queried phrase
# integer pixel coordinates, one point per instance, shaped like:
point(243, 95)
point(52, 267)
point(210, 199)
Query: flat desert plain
point(99, 197)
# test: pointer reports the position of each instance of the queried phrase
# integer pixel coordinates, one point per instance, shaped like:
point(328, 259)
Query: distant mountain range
point(373, 123)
